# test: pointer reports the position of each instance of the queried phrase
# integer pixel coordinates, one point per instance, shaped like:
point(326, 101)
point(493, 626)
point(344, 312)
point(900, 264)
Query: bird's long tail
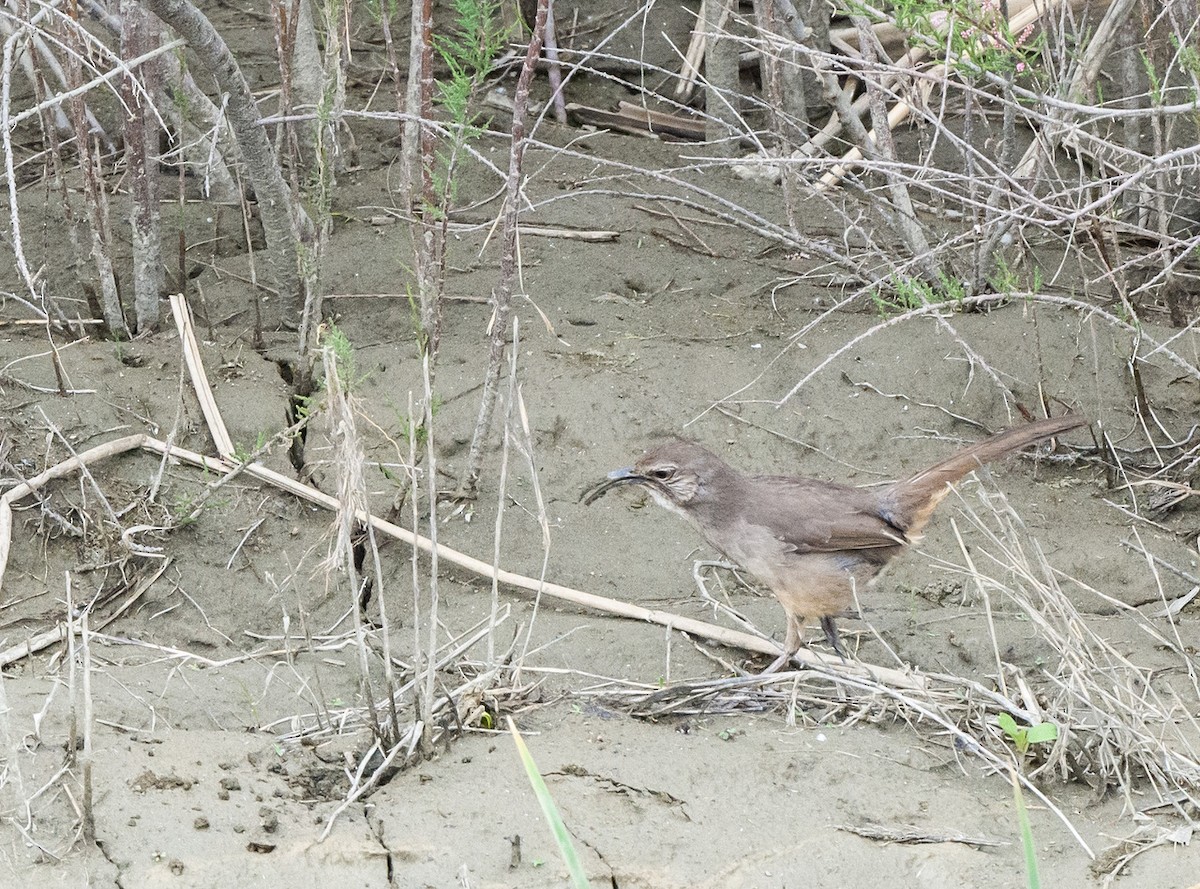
point(912, 501)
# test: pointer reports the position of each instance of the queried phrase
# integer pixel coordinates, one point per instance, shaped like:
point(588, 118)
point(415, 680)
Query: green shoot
point(242, 454)
point(561, 837)
point(1033, 881)
point(1024, 737)
point(477, 38)
point(343, 353)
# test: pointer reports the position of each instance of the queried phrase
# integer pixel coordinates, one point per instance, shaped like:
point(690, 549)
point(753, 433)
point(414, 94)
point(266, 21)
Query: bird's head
point(677, 473)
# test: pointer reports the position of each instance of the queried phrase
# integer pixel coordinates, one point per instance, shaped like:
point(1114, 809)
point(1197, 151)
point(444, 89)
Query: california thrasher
point(813, 543)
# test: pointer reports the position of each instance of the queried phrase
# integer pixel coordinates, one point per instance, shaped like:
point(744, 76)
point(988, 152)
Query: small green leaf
point(1042, 732)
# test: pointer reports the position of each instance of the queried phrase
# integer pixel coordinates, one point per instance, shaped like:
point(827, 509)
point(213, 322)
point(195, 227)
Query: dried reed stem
point(502, 295)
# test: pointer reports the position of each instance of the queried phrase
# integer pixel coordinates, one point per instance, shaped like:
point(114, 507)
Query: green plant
point(181, 510)
point(1003, 279)
point(343, 354)
point(975, 35)
point(1032, 880)
point(478, 36)
point(561, 837)
point(908, 293)
point(329, 334)
point(419, 332)
point(243, 454)
point(409, 428)
point(1023, 737)
point(1156, 88)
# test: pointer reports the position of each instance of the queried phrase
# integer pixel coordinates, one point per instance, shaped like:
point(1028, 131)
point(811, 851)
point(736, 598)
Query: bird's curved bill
point(615, 479)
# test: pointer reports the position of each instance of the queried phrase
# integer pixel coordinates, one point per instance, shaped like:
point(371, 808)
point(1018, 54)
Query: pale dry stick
point(590, 236)
point(718, 606)
point(1128, 726)
point(982, 589)
point(1141, 550)
point(414, 490)
point(351, 502)
point(689, 71)
point(502, 486)
point(87, 759)
point(732, 213)
point(191, 356)
point(1171, 254)
point(525, 446)
point(385, 627)
point(12, 784)
point(92, 322)
point(14, 214)
point(432, 495)
point(168, 652)
point(1179, 645)
point(172, 434)
point(95, 53)
point(1145, 167)
point(35, 58)
point(77, 753)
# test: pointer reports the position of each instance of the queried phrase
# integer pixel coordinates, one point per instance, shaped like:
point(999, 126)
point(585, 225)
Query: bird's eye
point(663, 473)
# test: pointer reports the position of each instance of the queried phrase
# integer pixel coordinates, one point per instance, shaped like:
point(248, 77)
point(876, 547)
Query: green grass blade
point(563, 839)
point(1031, 866)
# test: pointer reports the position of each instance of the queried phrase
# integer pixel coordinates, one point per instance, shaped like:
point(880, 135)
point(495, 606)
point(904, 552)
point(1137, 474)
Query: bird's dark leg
point(831, 636)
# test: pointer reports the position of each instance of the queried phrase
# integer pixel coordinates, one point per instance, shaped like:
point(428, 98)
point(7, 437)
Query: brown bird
point(812, 542)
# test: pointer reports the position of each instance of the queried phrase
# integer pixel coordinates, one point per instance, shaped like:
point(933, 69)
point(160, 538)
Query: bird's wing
point(821, 517)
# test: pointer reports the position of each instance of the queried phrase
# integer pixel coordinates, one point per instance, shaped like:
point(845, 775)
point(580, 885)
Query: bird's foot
point(778, 663)
point(832, 637)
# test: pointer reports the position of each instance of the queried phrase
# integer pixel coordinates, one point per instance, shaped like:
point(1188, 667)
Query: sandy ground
point(208, 768)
